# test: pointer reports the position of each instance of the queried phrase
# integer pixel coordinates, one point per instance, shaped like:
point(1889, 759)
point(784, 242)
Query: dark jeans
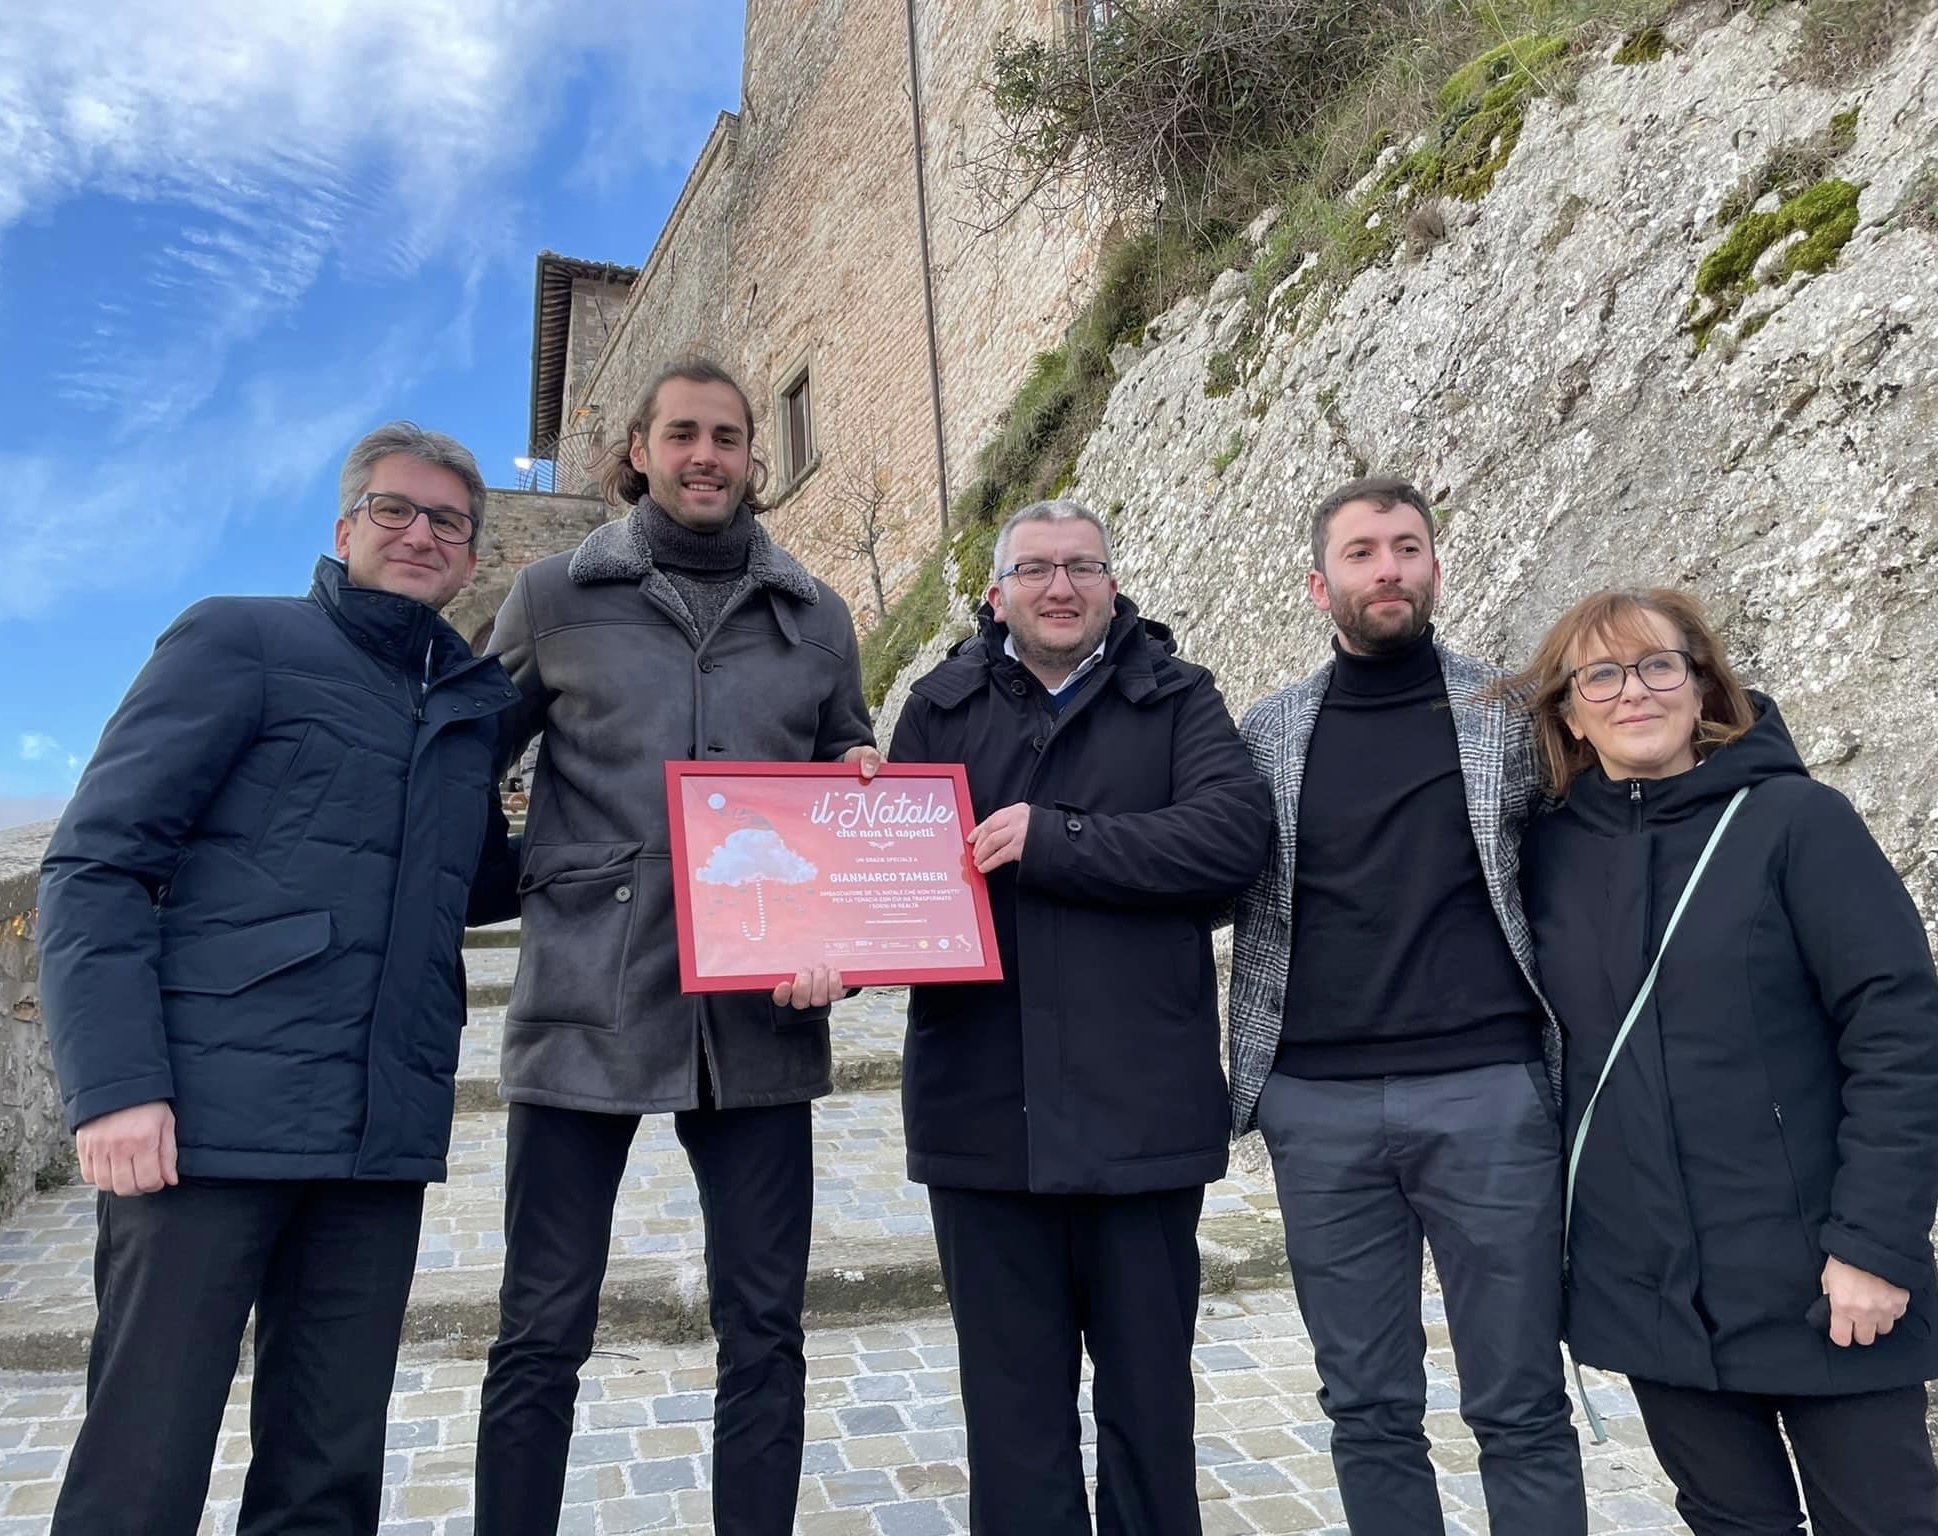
point(1471, 1161)
point(327, 1266)
point(755, 1170)
point(1032, 1281)
point(1865, 1461)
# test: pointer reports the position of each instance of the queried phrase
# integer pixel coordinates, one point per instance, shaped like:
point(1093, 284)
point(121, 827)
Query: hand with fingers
point(867, 759)
point(129, 1152)
point(814, 988)
point(999, 839)
point(1863, 1307)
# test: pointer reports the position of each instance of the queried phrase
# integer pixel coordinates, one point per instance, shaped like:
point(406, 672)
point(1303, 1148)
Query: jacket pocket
point(578, 903)
point(224, 964)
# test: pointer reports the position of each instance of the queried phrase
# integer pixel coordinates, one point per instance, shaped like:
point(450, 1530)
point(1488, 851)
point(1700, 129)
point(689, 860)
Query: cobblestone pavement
point(885, 1440)
point(861, 1195)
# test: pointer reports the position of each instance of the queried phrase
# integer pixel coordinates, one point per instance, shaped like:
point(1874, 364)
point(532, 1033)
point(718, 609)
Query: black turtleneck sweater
point(1398, 961)
point(706, 569)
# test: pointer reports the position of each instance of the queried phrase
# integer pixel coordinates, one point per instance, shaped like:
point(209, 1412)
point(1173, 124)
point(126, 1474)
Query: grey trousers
point(1471, 1161)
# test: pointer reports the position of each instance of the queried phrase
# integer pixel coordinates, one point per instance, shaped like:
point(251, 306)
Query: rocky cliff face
point(1547, 371)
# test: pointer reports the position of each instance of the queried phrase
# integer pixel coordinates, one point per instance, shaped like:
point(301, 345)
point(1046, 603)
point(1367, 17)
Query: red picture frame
point(873, 879)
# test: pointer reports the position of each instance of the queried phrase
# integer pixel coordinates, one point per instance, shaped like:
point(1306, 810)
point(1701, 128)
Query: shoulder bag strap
point(1621, 1038)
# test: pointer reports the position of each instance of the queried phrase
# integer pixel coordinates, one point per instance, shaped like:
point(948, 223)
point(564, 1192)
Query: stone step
point(873, 1256)
point(885, 1453)
point(489, 970)
point(495, 936)
point(866, 1030)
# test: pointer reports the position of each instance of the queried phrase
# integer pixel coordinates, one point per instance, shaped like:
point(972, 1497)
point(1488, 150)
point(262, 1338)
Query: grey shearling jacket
point(610, 669)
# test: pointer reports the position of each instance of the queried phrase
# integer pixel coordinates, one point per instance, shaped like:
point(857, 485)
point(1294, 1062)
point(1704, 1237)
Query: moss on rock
point(1643, 47)
point(1221, 375)
point(1818, 221)
point(914, 616)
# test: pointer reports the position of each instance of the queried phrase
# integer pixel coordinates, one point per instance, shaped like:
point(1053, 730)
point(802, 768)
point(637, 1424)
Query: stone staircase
point(873, 1254)
point(885, 1451)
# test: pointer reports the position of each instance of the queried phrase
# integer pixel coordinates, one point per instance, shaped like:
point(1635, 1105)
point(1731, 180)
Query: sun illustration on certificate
point(753, 856)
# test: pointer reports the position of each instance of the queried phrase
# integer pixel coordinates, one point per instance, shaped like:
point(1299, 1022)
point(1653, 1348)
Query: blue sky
point(235, 236)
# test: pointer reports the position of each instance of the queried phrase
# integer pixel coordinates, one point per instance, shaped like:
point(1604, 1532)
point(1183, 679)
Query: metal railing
point(567, 466)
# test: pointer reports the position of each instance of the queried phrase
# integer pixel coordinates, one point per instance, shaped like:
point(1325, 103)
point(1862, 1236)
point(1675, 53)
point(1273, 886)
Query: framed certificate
point(778, 867)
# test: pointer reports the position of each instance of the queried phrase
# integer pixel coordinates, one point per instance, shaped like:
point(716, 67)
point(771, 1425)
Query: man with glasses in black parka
point(1068, 1119)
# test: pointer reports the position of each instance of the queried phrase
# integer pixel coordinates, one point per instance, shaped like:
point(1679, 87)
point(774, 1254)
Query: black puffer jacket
point(1777, 1100)
point(1092, 1068)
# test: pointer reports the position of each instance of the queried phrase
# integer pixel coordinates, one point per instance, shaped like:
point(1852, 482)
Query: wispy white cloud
point(269, 149)
point(277, 143)
point(277, 431)
point(54, 763)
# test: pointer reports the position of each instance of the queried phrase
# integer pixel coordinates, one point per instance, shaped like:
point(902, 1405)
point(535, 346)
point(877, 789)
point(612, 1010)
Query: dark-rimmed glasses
point(1660, 672)
point(1040, 573)
point(448, 525)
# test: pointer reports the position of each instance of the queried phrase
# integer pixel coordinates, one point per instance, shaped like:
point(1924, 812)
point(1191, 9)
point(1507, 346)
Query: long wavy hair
point(622, 485)
point(1620, 618)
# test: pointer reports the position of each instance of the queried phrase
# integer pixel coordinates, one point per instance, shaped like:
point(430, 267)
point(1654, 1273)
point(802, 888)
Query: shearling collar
point(612, 552)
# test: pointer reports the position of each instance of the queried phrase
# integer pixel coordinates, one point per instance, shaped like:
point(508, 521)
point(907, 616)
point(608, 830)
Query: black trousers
point(1033, 1280)
point(1471, 1162)
point(327, 1266)
point(755, 1171)
point(1865, 1461)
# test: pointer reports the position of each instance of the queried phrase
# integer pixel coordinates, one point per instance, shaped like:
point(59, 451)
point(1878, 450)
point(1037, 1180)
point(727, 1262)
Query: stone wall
point(1532, 373)
point(35, 1148)
point(797, 242)
point(520, 527)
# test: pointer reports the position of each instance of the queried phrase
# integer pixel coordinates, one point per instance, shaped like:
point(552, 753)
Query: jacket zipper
point(1635, 805)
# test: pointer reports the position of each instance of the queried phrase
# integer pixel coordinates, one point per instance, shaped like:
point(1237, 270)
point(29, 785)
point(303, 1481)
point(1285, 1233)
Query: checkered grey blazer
point(1497, 761)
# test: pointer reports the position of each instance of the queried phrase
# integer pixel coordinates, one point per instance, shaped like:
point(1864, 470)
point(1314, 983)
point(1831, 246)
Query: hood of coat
point(1137, 649)
point(1765, 751)
point(615, 551)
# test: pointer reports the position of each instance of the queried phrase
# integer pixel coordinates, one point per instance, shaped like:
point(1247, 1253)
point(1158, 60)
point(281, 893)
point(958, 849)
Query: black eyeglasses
point(448, 526)
point(1659, 672)
point(1040, 573)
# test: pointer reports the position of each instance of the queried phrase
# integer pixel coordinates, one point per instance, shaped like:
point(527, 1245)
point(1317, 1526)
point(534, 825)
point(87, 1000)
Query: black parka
point(1777, 1100)
point(1092, 1068)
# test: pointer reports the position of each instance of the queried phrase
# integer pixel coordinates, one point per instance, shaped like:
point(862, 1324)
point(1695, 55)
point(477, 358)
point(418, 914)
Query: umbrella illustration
point(753, 856)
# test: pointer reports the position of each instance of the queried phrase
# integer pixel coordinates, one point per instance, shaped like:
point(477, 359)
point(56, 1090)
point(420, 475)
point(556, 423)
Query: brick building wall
point(1002, 294)
point(796, 247)
point(680, 301)
point(596, 310)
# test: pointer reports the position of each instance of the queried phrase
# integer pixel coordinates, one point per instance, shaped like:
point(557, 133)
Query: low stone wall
point(35, 1149)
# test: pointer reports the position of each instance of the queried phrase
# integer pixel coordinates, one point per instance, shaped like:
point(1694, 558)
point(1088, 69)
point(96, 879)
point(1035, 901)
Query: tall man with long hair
point(680, 631)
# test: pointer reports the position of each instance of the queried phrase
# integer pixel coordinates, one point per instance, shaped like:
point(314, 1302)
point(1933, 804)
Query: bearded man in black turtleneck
point(681, 631)
point(1388, 1036)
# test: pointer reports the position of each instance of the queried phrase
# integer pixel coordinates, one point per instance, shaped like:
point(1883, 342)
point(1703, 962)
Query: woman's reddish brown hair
point(1620, 619)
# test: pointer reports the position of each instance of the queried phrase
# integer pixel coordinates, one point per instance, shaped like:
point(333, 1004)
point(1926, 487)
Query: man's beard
point(1058, 657)
point(674, 503)
point(1372, 636)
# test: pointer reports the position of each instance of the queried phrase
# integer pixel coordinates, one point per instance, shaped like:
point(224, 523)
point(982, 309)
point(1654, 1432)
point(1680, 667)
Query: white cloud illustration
point(752, 854)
